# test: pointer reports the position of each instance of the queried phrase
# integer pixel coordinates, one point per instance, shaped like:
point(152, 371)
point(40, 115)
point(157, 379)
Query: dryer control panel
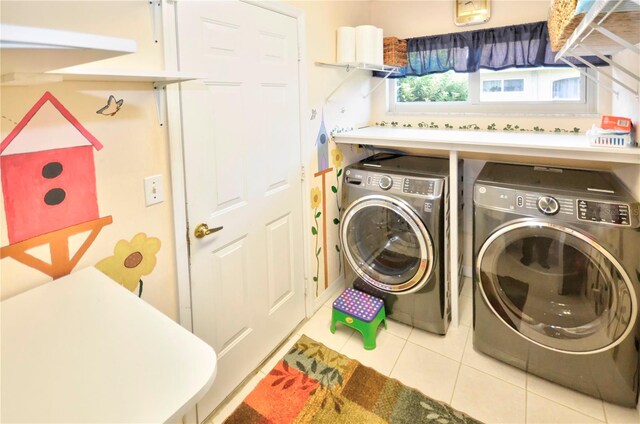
point(560, 205)
point(609, 213)
point(557, 206)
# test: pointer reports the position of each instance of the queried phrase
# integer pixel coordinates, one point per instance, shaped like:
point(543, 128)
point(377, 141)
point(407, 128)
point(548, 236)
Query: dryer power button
point(385, 182)
point(548, 205)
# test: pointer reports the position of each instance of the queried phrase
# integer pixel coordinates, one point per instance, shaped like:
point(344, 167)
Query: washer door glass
point(387, 244)
point(556, 286)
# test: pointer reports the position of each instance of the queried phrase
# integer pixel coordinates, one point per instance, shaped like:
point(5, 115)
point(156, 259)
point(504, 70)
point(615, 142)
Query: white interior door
point(242, 165)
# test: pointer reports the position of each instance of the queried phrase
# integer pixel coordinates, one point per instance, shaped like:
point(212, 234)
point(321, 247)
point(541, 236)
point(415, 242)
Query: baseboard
point(334, 287)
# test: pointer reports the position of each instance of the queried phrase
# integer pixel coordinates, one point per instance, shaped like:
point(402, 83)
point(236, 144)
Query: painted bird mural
point(112, 107)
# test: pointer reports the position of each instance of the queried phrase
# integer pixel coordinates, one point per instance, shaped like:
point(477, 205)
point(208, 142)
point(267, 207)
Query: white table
point(84, 349)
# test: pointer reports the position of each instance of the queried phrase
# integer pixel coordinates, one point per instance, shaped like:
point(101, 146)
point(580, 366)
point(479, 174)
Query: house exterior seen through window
point(516, 84)
point(492, 86)
point(518, 90)
point(566, 88)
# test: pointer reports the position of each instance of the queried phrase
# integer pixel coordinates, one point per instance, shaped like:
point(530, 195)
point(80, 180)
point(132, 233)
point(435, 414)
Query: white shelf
point(360, 65)
point(36, 50)
point(388, 70)
point(607, 15)
point(550, 145)
point(608, 27)
point(38, 55)
point(159, 78)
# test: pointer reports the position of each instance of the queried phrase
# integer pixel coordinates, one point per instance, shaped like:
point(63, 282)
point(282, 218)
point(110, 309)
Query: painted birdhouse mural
point(322, 145)
point(49, 186)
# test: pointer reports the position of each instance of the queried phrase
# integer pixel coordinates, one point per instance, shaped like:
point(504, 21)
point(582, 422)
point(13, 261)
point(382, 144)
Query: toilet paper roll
point(379, 47)
point(346, 45)
point(366, 43)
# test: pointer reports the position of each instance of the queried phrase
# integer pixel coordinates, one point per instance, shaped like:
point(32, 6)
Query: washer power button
point(548, 205)
point(385, 182)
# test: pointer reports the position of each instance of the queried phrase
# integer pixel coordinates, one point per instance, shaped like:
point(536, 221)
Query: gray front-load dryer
point(394, 233)
point(556, 276)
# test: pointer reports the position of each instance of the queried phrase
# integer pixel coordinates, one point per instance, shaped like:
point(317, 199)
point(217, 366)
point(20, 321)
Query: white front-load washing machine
point(394, 233)
point(557, 276)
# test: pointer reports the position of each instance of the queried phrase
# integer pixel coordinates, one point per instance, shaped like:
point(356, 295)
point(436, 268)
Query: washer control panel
point(609, 213)
point(393, 183)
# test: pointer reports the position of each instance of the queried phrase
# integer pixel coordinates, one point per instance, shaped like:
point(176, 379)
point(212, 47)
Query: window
point(491, 86)
point(566, 88)
point(506, 85)
point(514, 85)
point(551, 90)
point(444, 87)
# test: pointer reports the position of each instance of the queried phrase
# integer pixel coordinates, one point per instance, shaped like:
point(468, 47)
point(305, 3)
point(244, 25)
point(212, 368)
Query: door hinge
point(302, 173)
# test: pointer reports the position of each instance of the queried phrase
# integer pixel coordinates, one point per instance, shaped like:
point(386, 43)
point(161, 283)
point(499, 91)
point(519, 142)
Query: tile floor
point(448, 369)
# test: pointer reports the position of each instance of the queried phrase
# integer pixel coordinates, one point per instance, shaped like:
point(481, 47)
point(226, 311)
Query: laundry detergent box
point(617, 123)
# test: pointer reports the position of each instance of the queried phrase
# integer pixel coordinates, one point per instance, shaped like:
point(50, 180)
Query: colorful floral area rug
point(314, 384)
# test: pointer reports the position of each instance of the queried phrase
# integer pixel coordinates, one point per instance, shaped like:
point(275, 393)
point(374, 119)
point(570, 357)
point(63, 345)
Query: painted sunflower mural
point(131, 260)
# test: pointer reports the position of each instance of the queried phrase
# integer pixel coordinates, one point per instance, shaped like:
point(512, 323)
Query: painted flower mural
point(131, 260)
point(316, 199)
point(337, 158)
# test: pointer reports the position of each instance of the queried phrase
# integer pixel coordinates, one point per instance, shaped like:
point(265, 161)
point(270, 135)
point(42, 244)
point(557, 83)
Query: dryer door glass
point(387, 244)
point(556, 286)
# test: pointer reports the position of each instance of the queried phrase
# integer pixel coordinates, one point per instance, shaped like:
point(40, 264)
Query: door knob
point(203, 230)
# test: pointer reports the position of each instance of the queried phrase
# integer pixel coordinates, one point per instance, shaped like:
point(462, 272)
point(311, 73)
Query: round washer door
point(556, 287)
point(387, 244)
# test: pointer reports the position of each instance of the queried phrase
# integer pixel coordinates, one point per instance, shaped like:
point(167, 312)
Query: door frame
point(177, 167)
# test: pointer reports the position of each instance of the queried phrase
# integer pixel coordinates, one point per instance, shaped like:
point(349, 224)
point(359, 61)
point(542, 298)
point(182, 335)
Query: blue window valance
point(514, 46)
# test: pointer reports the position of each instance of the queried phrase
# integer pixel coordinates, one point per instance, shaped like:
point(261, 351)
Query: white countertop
point(84, 349)
point(558, 145)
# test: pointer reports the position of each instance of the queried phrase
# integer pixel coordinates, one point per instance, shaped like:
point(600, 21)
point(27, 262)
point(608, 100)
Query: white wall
point(135, 145)
point(130, 19)
point(627, 105)
point(406, 19)
point(345, 109)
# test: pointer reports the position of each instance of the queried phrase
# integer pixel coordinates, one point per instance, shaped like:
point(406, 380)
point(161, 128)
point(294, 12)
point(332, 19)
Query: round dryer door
point(556, 287)
point(387, 244)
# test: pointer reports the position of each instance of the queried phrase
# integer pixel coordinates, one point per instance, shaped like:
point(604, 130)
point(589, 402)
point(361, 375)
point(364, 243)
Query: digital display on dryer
point(608, 213)
point(424, 187)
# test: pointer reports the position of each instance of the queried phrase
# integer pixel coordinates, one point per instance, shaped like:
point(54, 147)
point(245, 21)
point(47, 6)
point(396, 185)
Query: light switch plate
point(153, 190)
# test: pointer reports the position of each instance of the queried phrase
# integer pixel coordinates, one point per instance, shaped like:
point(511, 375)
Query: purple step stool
point(360, 311)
